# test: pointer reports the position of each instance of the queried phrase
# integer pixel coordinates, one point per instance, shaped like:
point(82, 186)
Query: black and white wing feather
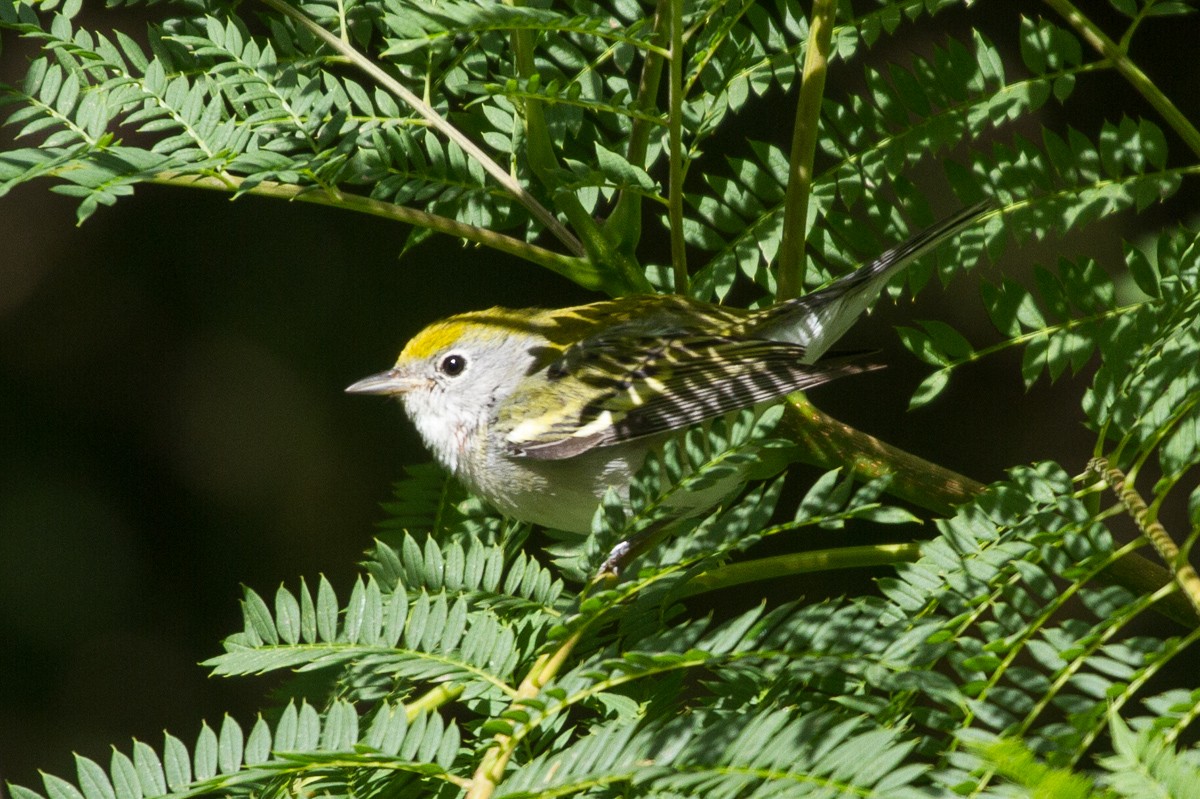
point(638, 387)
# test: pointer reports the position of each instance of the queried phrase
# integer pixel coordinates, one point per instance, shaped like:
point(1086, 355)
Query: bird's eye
point(452, 365)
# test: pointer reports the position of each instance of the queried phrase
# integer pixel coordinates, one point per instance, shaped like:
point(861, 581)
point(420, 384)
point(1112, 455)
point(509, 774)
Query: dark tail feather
point(817, 320)
point(903, 254)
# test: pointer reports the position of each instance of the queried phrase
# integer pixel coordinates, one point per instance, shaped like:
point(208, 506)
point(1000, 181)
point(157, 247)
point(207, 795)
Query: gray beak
point(390, 382)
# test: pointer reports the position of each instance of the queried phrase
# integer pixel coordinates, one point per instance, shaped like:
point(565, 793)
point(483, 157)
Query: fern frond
point(1152, 409)
point(448, 624)
point(330, 751)
point(426, 499)
point(763, 752)
point(1076, 313)
point(1142, 764)
point(1028, 663)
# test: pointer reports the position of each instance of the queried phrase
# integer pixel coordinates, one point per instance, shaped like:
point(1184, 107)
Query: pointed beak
point(393, 381)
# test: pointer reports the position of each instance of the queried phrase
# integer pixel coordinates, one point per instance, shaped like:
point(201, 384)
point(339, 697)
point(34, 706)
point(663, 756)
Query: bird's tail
point(817, 320)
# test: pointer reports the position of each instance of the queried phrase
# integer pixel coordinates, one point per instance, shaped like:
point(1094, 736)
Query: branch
point(804, 147)
point(433, 699)
point(1151, 528)
point(791, 564)
point(829, 443)
point(437, 122)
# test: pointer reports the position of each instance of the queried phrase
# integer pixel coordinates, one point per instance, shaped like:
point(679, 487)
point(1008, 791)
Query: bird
point(540, 412)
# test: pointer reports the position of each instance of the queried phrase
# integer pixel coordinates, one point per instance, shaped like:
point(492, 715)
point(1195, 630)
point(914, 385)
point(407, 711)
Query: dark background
point(172, 422)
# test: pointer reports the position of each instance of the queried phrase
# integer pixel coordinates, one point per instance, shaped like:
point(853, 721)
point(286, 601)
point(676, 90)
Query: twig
point(751, 571)
point(491, 769)
point(432, 699)
point(539, 152)
point(624, 224)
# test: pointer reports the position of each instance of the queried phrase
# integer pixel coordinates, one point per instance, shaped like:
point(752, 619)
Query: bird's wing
point(643, 386)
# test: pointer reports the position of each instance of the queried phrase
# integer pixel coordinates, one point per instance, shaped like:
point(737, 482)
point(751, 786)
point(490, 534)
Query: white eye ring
point(452, 365)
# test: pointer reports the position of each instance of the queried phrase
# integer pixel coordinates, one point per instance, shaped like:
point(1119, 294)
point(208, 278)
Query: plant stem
point(799, 563)
point(544, 163)
point(432, 699)
point(491, 769)
point(804, 147)
point(675, 150)
point(624, 224)
point(830, 444)
point(1151, 528)
point(576, 269)
point(1124, 65)
point(438, 122)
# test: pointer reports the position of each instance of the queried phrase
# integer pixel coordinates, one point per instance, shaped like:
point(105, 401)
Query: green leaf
point(947, 340)
point(258, 744)
point(929, 388)
point(58, 788)
point(258, 618)
point(287, 616)
point(230, 746)
point(326, 612)
point(124, 777)
point(176, 765)
point(1011, 307)
point(149, 769)
point(92, 779)
point(620, 172)
point(922, 345)
point(204, 757)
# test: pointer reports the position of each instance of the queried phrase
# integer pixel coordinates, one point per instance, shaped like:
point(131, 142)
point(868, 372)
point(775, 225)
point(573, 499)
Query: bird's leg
point(628, 549)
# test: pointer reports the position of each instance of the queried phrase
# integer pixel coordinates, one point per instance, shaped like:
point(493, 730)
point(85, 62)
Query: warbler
point(540, 412)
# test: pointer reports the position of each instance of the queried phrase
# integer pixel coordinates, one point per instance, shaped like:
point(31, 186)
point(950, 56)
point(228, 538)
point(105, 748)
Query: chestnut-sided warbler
point(540, 412)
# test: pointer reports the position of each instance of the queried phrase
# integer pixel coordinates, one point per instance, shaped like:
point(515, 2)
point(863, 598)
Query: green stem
point(1116, 55)
point(1048, 330)
point(491, 769)
point(544, 163)
point(435, 120)
point(576, 269)
point(804, 147)
point(1152, 529)
point(433, 699)
point(624, 224)
point(675, 151)
point(800, 563)
point(704, 57)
